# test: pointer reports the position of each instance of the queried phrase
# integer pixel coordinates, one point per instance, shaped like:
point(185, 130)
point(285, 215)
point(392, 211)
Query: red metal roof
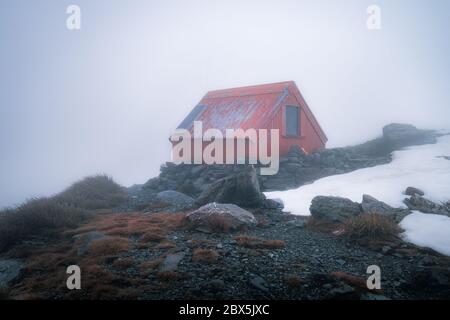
point(247, 107)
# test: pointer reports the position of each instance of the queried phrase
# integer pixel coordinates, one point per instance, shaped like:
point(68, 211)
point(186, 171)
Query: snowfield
point(423, 167)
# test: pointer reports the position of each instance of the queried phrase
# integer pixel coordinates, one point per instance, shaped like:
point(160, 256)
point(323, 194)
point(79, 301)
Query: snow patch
point(419, 166)
point(427, 230)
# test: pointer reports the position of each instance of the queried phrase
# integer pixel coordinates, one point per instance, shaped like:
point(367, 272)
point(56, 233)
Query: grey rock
point(335, 209)
point(371, 205)
point(86, 239)
point(241, 189)
point(424, 205)
point(385, 249)
point(297, 223)
point(9, 270)
point(259, 283)
point(171, 261)
point(411, 191)
point(206, 217)
point(176, 199)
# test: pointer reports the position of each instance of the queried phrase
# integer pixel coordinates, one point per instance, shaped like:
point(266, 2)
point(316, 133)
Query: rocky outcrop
point(424, 205)
point(215, 217)
point(335, 209)
point(175, 200)
point(241, 189)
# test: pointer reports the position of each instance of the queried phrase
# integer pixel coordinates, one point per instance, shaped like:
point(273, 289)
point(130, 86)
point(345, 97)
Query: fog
point(104, 99)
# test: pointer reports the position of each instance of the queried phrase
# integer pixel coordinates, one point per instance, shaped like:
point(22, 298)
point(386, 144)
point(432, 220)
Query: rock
point(9, 270)
point(411, 191)
point(296, 223)
point(343, 291)
point(171, 261)
point(259, 283)
point(177, 200)
point(335, 209)
point(241, 189)
point(424, 205)
point(397, 135)
point(214, 216)
point(216, 285)
point(385, 249)
point(371, 205)
point(273, 204)
point(84, 240)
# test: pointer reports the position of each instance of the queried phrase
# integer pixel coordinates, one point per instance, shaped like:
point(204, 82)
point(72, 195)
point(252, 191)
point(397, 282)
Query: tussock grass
point(205, 256)
point(258, 243)
point(367, 228)
point(94, 192)
point(37, 217)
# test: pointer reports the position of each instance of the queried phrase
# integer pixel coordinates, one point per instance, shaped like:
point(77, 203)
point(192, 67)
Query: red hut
point(268, 106)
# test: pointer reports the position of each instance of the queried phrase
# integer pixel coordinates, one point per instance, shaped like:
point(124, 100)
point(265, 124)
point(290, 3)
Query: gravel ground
point(407, 272)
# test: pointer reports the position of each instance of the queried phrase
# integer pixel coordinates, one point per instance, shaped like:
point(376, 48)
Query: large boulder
point(397, 135)
point(220, 217)
point(371, 205)
point(335, 209)
point(9, 270)
point(176, 200)
point(241, 189)
point(424, 205)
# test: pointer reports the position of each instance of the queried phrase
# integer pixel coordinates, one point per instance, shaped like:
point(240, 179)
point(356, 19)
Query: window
point(192, 116)
point(292, 121)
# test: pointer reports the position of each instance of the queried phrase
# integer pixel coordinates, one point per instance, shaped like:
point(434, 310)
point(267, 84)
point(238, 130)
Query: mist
point(105, 99)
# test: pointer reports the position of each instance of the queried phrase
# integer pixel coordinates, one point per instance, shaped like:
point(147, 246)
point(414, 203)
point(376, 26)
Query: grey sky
point(105, 98)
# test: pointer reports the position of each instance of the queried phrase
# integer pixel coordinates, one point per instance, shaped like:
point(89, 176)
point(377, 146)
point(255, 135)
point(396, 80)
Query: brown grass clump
point(322, 225)
point(151, 264)
point(258, 243)
point(169, 275)
point(124, 263)
point(109, 246)
point(351, 280)
point(205, 256)
point(367, 228)
point(165, 245)
point(293, 281)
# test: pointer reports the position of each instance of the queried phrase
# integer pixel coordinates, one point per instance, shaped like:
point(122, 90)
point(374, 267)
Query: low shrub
point(37, 217)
